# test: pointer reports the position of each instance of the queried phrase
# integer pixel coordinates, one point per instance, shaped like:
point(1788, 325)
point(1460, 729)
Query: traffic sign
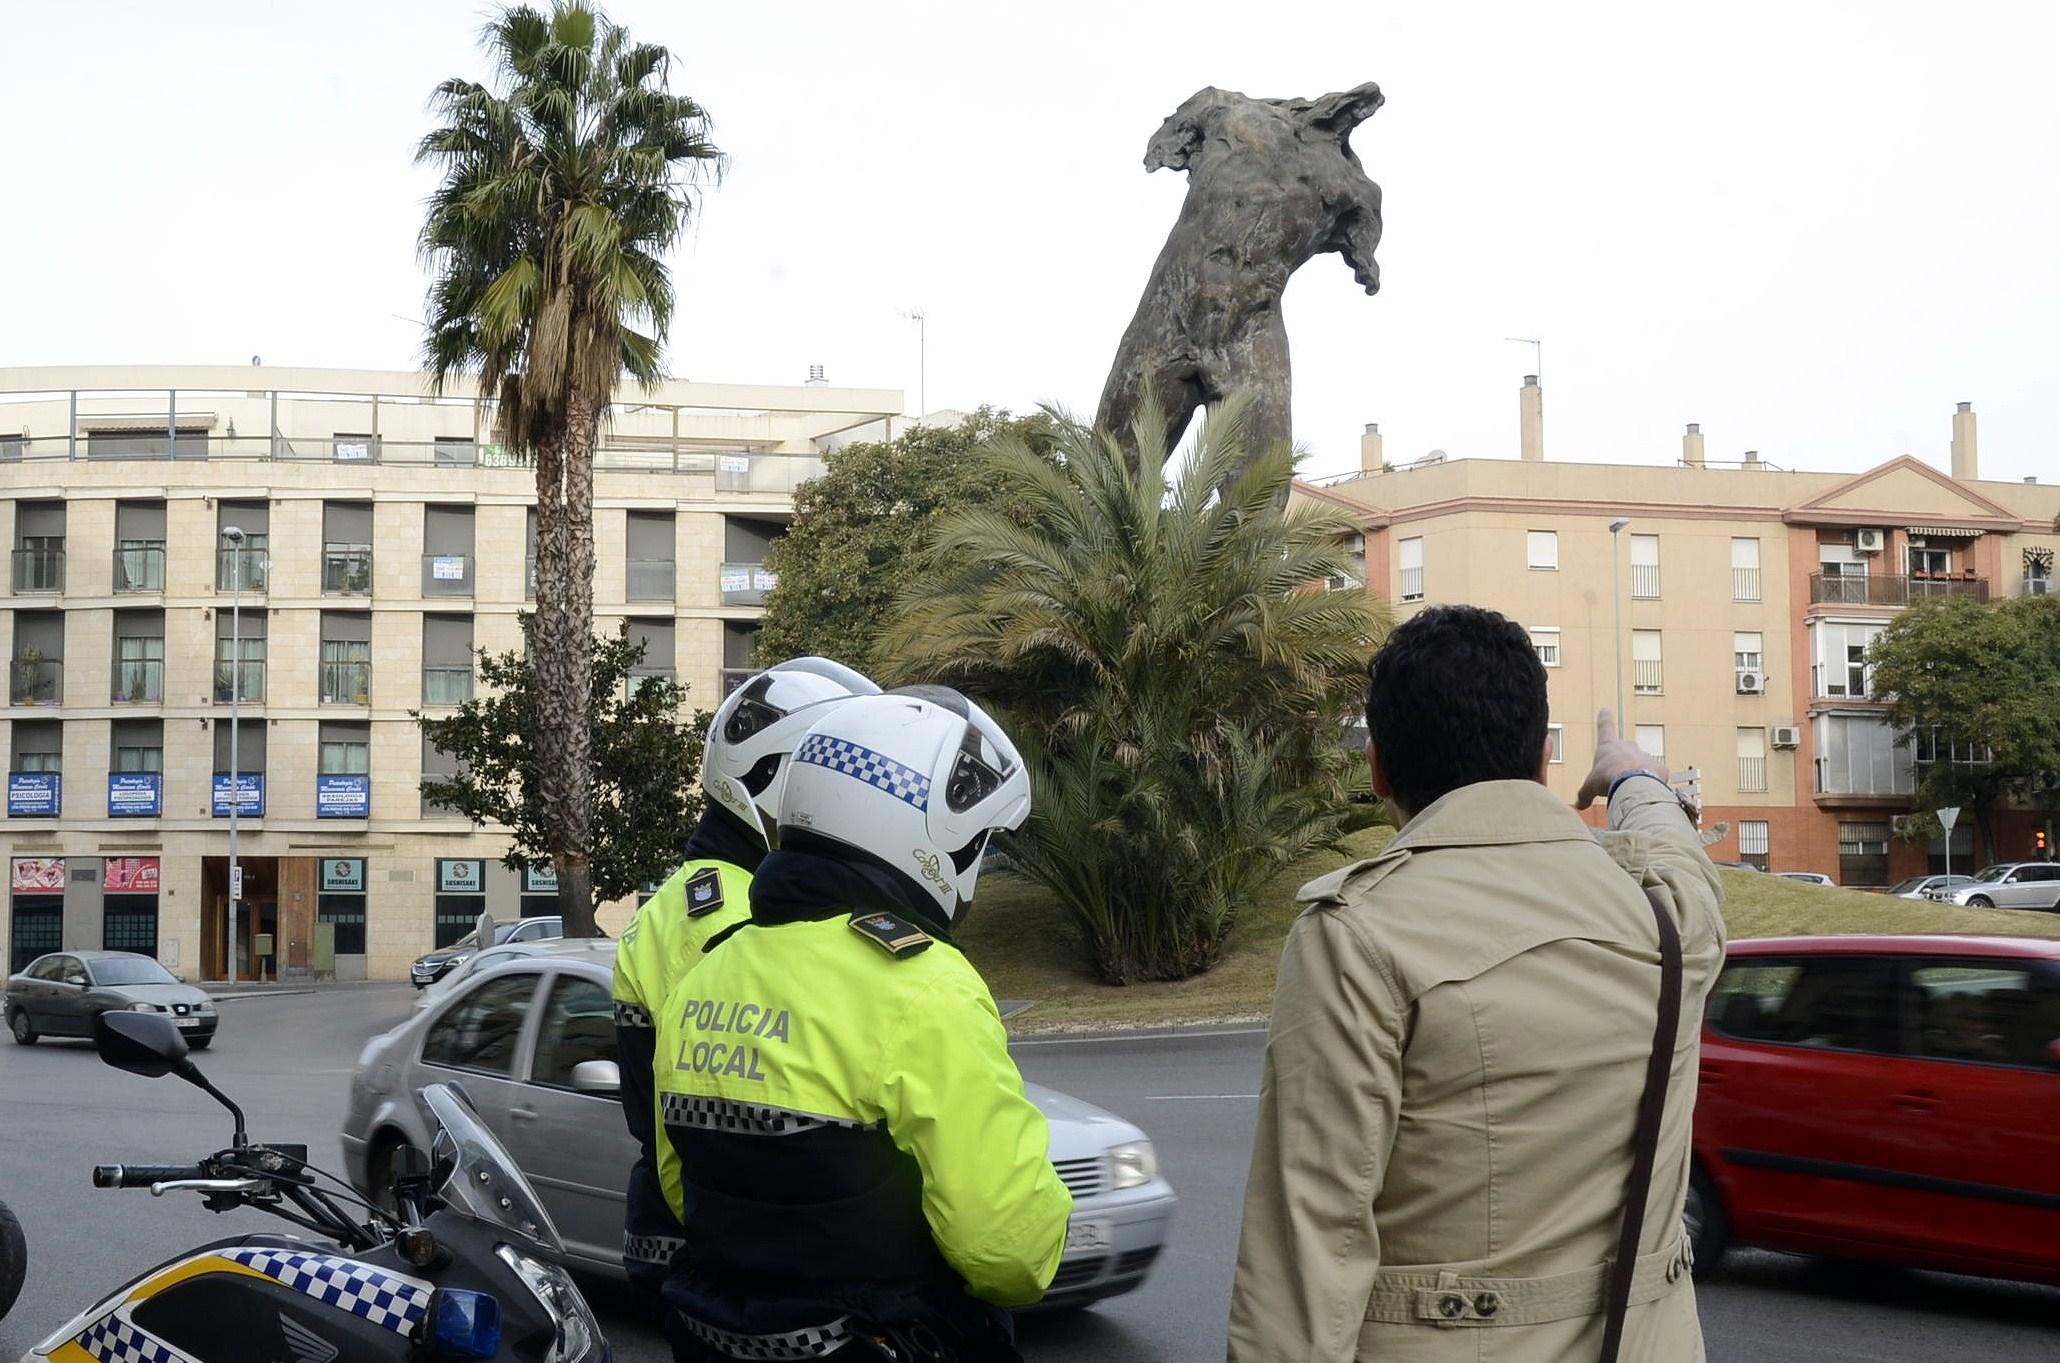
point(1948, 816)
point(236, 883)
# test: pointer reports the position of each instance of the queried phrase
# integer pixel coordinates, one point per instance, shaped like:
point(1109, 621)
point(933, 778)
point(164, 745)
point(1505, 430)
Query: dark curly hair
point(1455, 696)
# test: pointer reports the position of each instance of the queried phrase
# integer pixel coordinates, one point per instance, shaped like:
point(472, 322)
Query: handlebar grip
point(142, 1175)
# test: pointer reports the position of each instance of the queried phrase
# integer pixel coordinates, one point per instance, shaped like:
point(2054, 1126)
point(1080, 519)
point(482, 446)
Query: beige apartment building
point(1746, 597)
point(384, 537)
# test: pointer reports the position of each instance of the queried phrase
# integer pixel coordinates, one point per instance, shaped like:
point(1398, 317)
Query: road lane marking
point(1193, 1097)
point(1104, 1038)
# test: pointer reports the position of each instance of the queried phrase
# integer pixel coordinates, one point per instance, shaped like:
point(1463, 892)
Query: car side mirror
point(79, 980)
point(605, 1076)
point(148, 1044)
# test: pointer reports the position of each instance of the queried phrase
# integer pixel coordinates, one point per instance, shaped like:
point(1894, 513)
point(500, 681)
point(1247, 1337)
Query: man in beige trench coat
point(1460, 1037)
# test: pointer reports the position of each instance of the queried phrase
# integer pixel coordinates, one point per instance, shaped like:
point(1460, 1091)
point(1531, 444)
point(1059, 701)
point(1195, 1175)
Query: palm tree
point(1171, 664)
point(563, 185)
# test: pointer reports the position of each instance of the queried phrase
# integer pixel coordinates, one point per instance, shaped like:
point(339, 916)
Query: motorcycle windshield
point(484, 1181)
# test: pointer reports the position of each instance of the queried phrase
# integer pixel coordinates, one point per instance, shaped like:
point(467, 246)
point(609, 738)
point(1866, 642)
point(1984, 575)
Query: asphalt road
point(287, 1059)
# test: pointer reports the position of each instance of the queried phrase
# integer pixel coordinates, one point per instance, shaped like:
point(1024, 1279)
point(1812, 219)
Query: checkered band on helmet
point(862, 763)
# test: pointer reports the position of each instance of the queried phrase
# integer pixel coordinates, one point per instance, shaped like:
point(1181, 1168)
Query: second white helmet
point(757, 727)
point(918, 778)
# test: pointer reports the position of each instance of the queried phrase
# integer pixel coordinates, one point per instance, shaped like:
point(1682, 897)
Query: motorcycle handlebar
point(143, 1175)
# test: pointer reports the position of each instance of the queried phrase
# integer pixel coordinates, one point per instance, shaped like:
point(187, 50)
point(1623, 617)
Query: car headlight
point(1132, 1165)
point(145, 1008)
point(579, 1337)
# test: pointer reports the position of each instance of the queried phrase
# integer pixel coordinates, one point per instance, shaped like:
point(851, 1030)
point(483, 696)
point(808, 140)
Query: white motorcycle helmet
point(755, 730)
point(918, 778)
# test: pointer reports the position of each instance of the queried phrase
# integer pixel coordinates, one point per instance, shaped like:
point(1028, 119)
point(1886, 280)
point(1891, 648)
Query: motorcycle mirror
point(597, 1076)
point(140, 1043)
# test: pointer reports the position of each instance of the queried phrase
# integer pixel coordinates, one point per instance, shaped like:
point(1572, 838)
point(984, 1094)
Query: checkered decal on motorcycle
point(382, 1298)
point(114, 1340)
point(903, 783)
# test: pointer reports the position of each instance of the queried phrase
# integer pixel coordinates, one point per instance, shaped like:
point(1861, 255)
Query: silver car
point(1923, 887)
point(2009, 885)
point(532, 1042)
point(60, 995)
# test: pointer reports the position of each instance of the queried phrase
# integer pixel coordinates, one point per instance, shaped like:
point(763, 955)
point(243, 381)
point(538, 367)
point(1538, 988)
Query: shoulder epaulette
point(896, 936)
point(704, 892)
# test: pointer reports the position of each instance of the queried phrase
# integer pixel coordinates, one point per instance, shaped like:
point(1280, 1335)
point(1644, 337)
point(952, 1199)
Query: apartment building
point(1741, 600)
point(325, 549)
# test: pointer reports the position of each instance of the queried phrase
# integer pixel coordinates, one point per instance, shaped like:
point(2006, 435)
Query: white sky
point(1811, 226)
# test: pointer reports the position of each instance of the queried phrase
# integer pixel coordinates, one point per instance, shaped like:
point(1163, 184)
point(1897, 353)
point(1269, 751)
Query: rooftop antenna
point(1537, 354)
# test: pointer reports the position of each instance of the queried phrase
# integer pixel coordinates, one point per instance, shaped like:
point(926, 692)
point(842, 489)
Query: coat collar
point(1486, 814)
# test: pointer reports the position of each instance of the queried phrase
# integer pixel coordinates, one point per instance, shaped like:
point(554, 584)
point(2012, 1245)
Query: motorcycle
point(455, 1270)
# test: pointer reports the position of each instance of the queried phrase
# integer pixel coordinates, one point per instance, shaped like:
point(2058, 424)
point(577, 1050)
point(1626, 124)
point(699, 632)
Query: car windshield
point(1912, 883)
point(130, 970)
point(1992, 873)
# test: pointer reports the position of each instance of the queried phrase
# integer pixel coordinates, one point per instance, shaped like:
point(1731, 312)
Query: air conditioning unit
point(1867, 541)
point(1787, 736)
point(1751, 683)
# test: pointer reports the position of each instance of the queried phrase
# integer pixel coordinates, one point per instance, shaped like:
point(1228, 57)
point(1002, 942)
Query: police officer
point(743, 764)
point(860, 1166)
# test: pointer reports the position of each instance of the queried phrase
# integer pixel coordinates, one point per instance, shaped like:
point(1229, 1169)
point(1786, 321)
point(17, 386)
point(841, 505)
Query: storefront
point(35, 894)
point(341, 906)
point(539, 891)
point(129, 890)
point(460, 897)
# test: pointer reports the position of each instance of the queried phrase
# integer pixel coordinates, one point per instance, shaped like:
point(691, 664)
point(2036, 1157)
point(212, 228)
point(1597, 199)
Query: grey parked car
point(532, 1043)
point(60, 995)
point(433, 966)
point(2009, 885)
point(1922, 887)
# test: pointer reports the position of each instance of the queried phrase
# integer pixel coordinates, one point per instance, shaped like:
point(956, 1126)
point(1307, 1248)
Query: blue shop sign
point(33, 794)
point(250, 795)
point(343, 797)
point(135, 794)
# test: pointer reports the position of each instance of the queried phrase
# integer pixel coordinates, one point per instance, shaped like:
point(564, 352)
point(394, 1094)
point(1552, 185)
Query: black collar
point(798, 884)
point(722, 836)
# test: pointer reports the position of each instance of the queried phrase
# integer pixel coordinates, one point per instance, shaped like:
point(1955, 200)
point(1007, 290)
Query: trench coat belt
point(1452, 1300)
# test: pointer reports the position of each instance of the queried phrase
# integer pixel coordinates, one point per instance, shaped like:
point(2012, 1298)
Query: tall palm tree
point(1170, 662)
point(563, 185)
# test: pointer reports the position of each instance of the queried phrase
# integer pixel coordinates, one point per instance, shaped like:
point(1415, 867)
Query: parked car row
point(2008, 885)
point(432, 966)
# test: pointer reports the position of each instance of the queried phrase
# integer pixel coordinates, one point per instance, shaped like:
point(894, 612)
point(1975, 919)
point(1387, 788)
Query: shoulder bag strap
point(1645, 1150)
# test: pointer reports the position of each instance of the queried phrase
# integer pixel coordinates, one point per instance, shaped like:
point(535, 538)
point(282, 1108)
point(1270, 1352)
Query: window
point(1839, 1003)
point(529, 553)
point(243, 569)
point(1545, 638)
point(39, 547)
point(437, 765)
point(1984, 1012)
point(1753, 842)
point(129, 923)
point(1645, 567)
point(656, 637)
point(1541, 548)
point(1555, 743)
point(139, 554)
point(446, 659)
point(2038, 572)
point(479, 1032)
point(139, 745)
point(1930, 562)
point(1928, 745)
point(346, 658)
point(1838, 649)
point(1647, 674)
point(36, 671)
point(447, 550)
point(1747, 652)
point(37, 746)
point(250, 750)
point(239, 662)
point(139, 657)
point(1652, 738)
point(346, 548)
point(1860, 755)
point(650, 544)
point(743, 577)
point(1409, 560)
point(1863, 853)
point(1745, 569)
point(578, 1025)
point(1752, 760)
point(346, 749)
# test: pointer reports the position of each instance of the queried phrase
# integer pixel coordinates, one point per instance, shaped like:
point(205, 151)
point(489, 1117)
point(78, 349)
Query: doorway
point(257, 918)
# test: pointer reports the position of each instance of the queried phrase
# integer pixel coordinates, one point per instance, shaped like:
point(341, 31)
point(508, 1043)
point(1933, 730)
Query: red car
point(1885, 1098)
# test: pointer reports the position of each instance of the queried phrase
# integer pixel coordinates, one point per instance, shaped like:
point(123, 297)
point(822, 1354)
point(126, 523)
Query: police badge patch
point(704, 892)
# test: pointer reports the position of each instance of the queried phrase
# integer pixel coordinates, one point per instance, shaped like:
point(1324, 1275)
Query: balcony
point(745, 584)
point(35, 681)
point(242, 570)
point(38, 570)
point(139, 681)
point(1412, 584)
point(447, 575)
point(1645, 582)
point(250, 684)
point(1752, 774)
point(346, 570)
point(140, 568)
point(1884, 589)
point(651, 579)
point(446, 685)
point(1646, 676)
point(346, 682)
point(1745, 584)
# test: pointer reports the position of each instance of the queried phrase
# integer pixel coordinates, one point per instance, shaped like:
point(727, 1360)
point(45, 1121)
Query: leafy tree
point(1171, 666)
point(563, 187)
point(854, 545)
point(644, 788)
point(1977, 679)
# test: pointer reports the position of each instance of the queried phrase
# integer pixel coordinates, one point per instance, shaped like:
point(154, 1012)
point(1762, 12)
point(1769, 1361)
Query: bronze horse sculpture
point(1271, 183)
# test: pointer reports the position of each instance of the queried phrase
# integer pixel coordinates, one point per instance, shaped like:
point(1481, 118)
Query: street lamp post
point(1616, 603)
point(234, 534)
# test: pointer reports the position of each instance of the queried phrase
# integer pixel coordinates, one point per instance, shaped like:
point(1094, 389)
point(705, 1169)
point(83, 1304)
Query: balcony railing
point(1888, 589)
point(1646, 675)
point(447, 575)
point(1645, 582)
point(745, 584)
point(1412, 584)
point(138, 681)
point(651, 579)
point(1745, 584)
point(38, 570)
point(244, 569)
point(251, 682)
point(140, 568)
point(446, 685)
point(346, 570)
point(1752, 774)
point(346, 683)
point(35, 681)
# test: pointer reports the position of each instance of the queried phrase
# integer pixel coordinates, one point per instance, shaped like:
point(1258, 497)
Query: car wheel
point(18, 1023)
point(14, 1259)
point(199, 1043)
point(1980, 901)
point(1702, 1216)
